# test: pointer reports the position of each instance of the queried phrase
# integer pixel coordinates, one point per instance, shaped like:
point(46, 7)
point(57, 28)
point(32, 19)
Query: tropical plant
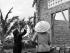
point(5, 24)
point(30, 23)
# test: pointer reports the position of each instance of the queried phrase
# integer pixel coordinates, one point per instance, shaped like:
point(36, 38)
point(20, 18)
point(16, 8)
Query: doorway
point(60, 27)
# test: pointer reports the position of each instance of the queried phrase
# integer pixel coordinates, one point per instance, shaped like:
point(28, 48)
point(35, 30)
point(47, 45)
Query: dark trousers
point(43, 52)
point(17, 49)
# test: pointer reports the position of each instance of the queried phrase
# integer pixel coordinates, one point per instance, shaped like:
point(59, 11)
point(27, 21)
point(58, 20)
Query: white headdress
point(42, 26)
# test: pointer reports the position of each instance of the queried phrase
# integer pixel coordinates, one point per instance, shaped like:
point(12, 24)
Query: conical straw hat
point(42, 26)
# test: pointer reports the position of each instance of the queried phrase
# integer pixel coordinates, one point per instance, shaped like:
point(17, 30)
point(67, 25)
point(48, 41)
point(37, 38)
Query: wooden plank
point(69, 16)
point(52, 22)
point(64, 16)
point(52, 27)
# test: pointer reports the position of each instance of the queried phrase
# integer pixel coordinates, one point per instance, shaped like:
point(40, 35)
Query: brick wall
point(61, 33)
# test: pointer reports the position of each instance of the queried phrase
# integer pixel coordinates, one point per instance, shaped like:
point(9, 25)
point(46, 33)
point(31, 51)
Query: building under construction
point(57, 13)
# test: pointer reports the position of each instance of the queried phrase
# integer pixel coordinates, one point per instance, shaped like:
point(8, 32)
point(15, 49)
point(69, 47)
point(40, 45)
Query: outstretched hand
point(24, 32)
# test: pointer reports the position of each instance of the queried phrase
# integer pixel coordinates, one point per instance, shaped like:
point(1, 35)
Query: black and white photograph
point(34, 26)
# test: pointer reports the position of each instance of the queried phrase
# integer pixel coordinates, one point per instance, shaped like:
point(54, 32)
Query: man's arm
point(24, 32)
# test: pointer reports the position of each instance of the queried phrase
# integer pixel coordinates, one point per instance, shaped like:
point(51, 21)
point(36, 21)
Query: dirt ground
point(11, 51)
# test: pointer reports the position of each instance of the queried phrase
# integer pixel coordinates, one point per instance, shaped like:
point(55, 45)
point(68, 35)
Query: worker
point(44, 42)
point(18, 40)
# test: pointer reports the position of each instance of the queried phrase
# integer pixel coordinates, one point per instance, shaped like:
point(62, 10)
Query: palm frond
point(34, 18)
point(8, 13)
point(11, 20)
point(23, 19)
point(30, 18)
point(35, 1)
point(1, 16)
point(15, 25)
point(15, 17)
point(3, 22)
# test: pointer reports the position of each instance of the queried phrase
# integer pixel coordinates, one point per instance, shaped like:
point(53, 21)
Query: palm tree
point(5, 24)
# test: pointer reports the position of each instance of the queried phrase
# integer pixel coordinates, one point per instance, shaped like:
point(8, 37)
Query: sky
point(22, 8)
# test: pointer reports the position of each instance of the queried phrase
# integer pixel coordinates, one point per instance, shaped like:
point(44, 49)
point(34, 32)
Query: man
point(17, 40)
